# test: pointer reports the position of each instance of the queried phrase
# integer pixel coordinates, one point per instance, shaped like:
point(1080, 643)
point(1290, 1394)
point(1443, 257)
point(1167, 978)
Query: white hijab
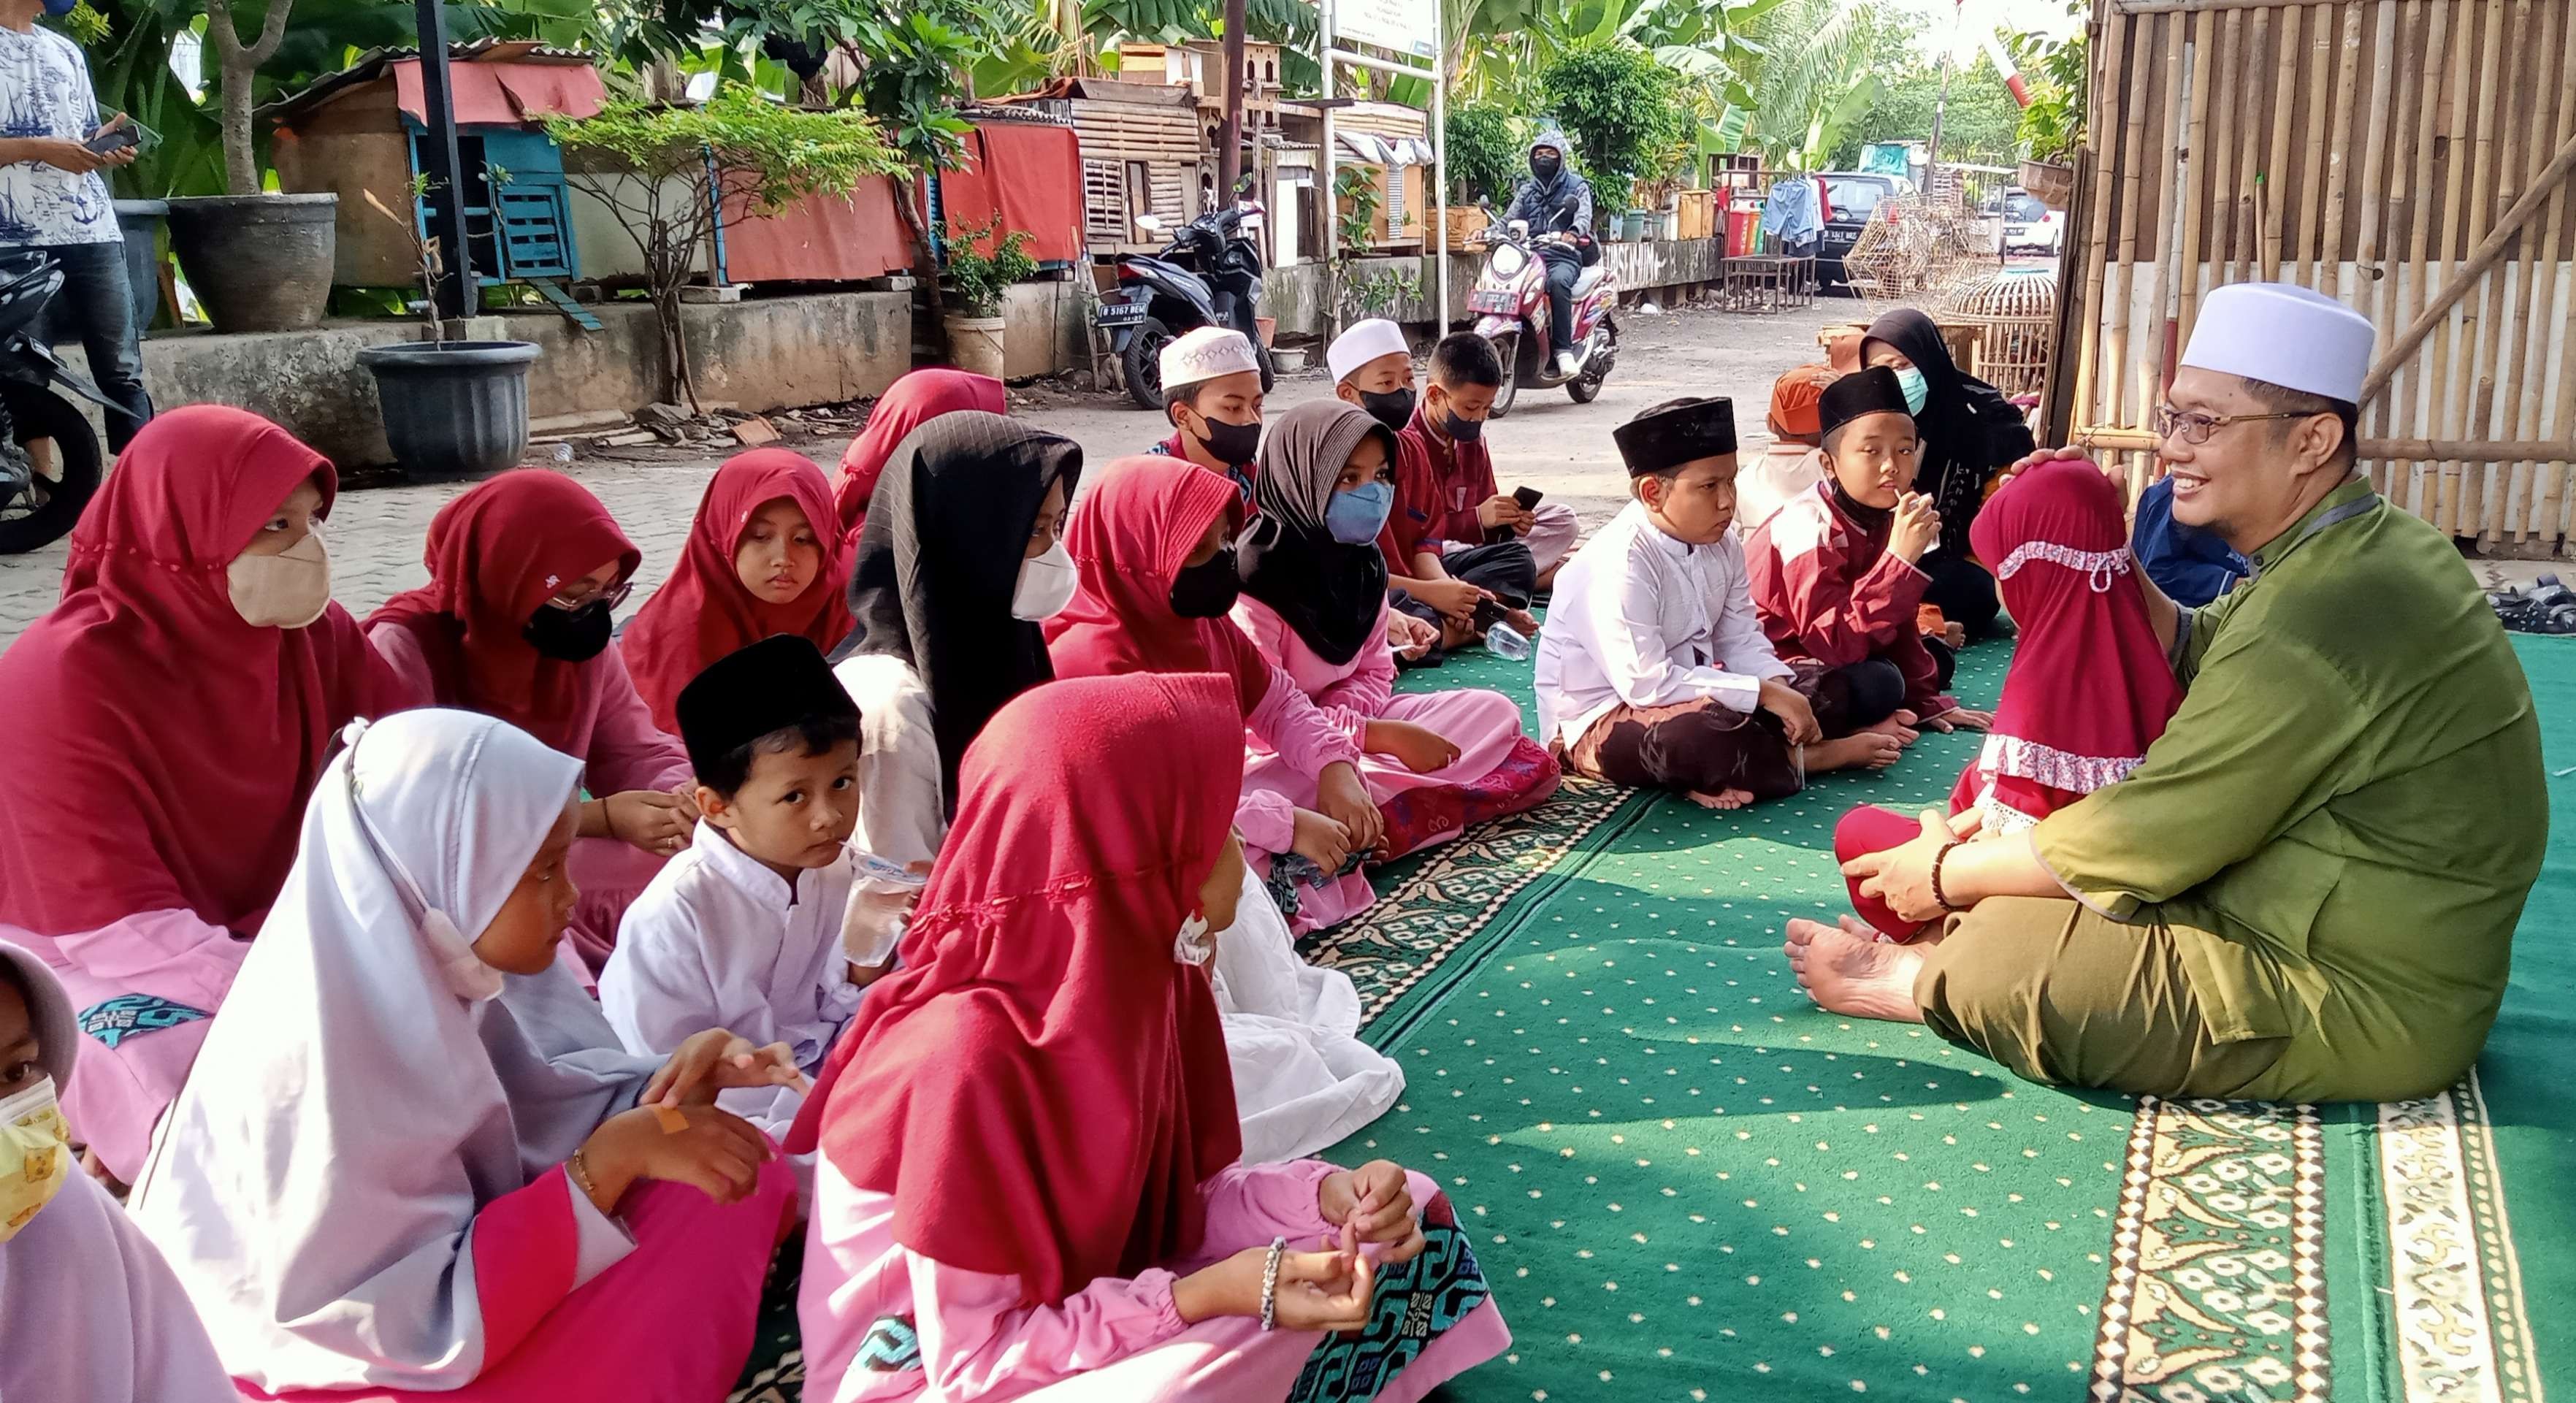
point(363, 1093)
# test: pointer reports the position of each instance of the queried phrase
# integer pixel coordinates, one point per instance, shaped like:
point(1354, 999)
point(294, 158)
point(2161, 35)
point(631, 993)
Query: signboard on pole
point(1400, 26)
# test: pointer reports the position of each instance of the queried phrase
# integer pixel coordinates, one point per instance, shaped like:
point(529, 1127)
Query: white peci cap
point(1364, 342)
point(1205, 354)
point(2285, 335)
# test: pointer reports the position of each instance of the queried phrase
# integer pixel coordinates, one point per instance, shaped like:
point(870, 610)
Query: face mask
point(1232, 444)
point(60, 8)
point(1354, 517)
point(569, 635)
point(1207, 591)
point(1046, 585)
point(1461, 430)
point(35, 1155)
point(1392, 408)
point(1546, 167)
point(287, 590)
point(1194, 944)
point(1917, 390)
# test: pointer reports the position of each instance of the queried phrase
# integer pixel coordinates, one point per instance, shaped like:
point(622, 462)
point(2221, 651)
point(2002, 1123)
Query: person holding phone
point(54, 202)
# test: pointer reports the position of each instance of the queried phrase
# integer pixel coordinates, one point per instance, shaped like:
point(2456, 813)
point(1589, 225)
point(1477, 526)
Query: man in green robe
point(2307, 891)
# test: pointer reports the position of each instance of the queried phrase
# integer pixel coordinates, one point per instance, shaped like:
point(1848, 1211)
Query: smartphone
point(110, 142)
point(1528, 497)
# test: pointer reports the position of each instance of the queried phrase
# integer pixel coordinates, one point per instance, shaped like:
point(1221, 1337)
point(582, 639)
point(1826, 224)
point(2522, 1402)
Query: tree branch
point(272, 29)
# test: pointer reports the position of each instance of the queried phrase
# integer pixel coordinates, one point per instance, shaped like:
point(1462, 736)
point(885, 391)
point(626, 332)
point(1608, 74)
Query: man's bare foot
point(1900, 725)
point(1864, 750)
point(1523, 622)
point(1722, 799)
point(1846, 970)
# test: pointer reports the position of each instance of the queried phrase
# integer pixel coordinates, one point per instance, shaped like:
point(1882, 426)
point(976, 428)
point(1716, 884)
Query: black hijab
point(939, 560)
point(1333, 595)
point(1969, 430)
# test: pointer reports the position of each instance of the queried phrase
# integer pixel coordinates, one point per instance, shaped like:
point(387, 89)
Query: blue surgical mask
point(60, 8)
point(1917, 390)
point(1355, 517)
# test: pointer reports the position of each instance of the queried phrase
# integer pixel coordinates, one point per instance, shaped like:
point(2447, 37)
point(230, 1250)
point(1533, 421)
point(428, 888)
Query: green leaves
point(983, 263)
point(770, 154)
point(1486, 157)
point(1623, 110)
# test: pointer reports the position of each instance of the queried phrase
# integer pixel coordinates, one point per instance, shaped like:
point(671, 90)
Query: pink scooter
point(1510, 306)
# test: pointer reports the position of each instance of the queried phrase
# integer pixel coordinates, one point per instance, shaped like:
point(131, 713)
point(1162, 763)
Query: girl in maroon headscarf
point(1029, 1182)
point(525, 572)
point(2089, 688)
point(911, 402)
point(184, 691)
point(763, 559)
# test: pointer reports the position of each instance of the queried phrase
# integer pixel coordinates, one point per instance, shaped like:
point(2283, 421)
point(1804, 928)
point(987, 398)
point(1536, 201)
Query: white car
point(2029, 226)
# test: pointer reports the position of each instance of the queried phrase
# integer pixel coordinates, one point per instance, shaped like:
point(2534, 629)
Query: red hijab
point(2089, 687)
point(174, 744)
point(495, 555)
point(1128, 539)
point(704, 612)
point(1042, 1086)
point(911, 402)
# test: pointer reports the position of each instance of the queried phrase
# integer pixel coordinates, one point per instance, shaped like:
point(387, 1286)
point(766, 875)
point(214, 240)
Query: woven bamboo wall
point(2389, 153)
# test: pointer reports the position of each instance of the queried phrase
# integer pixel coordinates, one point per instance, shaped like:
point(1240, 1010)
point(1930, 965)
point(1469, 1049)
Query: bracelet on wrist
point(579, 1168)
point(1270, 1285)
point(1940, 897)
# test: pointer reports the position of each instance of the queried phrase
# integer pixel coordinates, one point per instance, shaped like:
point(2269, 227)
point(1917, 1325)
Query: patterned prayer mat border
point(2455, 1287)
point(1416, 928)
point(2217, 1289)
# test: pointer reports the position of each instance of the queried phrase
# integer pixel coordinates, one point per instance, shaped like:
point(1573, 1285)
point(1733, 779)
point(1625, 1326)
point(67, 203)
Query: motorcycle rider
point(1556, 200)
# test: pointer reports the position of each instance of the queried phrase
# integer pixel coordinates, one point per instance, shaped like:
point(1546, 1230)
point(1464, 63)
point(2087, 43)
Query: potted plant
point(2052, 126)
point(452, 409)
point(258, 261)
point(982, 265)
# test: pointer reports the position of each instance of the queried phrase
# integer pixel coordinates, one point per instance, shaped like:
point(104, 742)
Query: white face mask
point(1046, 585)
point(1194, 944)
point(35, 1155)
point(287, 590)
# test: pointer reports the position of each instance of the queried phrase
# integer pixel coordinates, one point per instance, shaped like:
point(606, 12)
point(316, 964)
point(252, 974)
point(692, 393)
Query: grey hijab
point(1333, 595)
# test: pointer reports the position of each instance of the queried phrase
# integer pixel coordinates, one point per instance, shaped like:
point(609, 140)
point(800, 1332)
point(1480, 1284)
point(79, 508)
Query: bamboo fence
point(2415, 159)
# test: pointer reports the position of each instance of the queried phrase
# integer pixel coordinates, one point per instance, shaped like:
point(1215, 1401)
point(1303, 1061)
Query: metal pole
point(1229, 164)
point(1330, 203)
point(454, 295)
point(1440, 148)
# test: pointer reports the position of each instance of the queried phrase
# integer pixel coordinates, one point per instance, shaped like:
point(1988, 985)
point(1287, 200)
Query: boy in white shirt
point(745, 923)
point(1653, 669)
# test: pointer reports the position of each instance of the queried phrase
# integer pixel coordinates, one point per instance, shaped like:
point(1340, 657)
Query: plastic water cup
point(1505, 642)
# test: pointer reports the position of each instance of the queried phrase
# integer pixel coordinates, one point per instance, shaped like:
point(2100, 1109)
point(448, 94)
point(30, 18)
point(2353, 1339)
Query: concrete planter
point(258, 262)
point(141, 222)
point(453, 409)
point(975, 344)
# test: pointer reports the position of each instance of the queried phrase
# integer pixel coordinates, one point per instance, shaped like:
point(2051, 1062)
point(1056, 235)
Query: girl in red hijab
point(2089, 688)
point(525, 572)
point(1029, 1181)
point(911, 402)
point(185, 689)
point(763, 559)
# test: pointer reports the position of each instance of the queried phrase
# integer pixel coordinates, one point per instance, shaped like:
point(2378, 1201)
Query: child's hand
point(647, 820)
point(1455, 599)
point(1797, 717)
point(1410, 637)
point(1373, 1204)
point(714, 1061)
point(1917, 526)
point(1417, 748)
point(717, 1151)
point(1329, 1290)
point(1345, 800)
point(1320, 840)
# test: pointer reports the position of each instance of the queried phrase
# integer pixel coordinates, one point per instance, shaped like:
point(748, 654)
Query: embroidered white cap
point(1205, 354)
point(2285, 335)
point(1364, 342)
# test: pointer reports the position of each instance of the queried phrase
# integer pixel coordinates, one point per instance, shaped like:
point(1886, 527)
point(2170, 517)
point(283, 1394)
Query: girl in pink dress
point(524, 574)
point(1314, 601)
point(1029, 1183)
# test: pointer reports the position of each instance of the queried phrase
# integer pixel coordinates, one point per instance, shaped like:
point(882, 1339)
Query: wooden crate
point(1698, 214)
point(1464, 225)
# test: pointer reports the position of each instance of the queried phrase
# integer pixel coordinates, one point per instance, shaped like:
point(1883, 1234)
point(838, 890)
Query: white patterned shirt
point(45, 91)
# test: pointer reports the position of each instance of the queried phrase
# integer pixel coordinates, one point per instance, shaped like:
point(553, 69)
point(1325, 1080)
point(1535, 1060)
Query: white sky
point(1961, 30)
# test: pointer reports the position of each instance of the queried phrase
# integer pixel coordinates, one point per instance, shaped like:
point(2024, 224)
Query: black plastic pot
point(453, 409)
point(257, 262)
point(140, 221)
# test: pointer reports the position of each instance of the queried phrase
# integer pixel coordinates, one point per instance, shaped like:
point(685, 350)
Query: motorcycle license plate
point(1114, 314)
point(1491, 301)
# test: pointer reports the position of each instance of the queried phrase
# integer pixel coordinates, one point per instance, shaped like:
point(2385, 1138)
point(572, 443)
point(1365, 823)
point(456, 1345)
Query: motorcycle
point(1210, 275)
point(49, 458)
point(1509, 303)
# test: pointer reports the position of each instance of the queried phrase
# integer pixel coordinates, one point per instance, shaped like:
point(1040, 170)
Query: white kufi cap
point(1205, 354)
point(1365, 342)
point(2284, 335)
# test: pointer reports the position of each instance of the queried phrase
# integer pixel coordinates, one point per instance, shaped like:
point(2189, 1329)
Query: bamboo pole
point(2249, 209)
point(2221, 155)
point(2151, 365)
point(2115, 363)
point(2533, 199)
point(2502, 161)
point(2389, 127)
point(2191, 171)
point(2313, 157)
point(2402, 410)
point(2097, 254)
point(2539, 321)
point(2454, 214)
point(2338, 175)
point(2510, 499)
point(2121, 439)
point(2267, 186)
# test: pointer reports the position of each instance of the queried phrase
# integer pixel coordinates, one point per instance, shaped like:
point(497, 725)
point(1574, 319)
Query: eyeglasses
point(2195, 428)
point(582, 598)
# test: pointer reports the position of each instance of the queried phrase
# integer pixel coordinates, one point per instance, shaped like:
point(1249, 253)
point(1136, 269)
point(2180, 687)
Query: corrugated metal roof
point(372, 64)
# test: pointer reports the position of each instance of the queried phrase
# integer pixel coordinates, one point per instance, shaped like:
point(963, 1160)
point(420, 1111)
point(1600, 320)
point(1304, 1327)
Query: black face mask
point(569, 635)
point(1207, 591)
point(1460, 429)
point(1232, 444)
point(1546, 167)
point(1393, 408)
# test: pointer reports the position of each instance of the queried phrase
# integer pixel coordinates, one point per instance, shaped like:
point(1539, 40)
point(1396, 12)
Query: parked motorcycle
point(1509, 303)
point(49, 458)
point(1209, 276)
